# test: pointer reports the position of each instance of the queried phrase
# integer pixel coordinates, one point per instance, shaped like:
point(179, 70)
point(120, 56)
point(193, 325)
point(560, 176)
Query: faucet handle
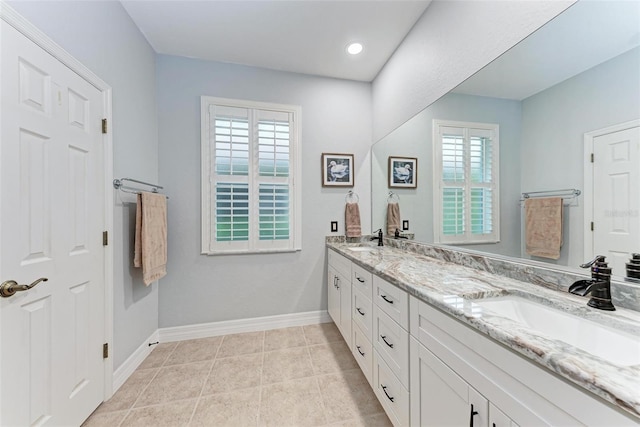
point(598, 259)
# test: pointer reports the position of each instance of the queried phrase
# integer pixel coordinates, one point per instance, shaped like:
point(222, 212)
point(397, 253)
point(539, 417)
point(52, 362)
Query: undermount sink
point(618, 347)
point(361, 249)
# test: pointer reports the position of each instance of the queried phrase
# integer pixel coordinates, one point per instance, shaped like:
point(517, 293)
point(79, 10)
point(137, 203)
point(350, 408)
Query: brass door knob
point(10, 287)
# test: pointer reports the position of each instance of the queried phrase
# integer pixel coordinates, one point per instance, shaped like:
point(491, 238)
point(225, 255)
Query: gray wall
point(553, 127)
point(415, 139)
point(101, 35)
point(336, 117)
point(451, 41)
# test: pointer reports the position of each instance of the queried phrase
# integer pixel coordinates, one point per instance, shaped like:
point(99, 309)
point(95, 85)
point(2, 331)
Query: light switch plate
point(405, 224)
point(334, 226)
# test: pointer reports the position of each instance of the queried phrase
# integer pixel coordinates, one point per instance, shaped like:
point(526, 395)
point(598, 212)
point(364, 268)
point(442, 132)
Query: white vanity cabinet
point(429, 369)
point(391, 350)
point(450, 358)
point(440, 397)
point(339, 293)
point(362, 319)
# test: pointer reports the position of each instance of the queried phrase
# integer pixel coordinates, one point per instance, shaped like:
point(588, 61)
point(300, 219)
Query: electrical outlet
point(405, 224)
point(334, 226)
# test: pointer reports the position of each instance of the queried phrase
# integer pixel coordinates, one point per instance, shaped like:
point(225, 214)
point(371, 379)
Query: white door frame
point(9, 16)
point(588, 179)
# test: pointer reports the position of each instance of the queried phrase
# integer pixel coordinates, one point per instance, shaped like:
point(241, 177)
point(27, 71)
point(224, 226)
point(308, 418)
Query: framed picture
point(337, 170)
point(403, 172)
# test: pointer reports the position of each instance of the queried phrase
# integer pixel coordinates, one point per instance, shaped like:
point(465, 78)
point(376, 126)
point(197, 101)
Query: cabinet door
point(439, 397)
point(497, 418)
point(333, 295)
point(344, 286)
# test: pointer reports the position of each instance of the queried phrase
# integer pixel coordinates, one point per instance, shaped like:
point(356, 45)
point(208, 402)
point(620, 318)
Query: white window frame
point(209, 245)
point(467, 237)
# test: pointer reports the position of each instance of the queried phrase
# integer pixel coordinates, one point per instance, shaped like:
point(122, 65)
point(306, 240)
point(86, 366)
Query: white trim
point(127, 368)
point(587, 192)
point(17, 21)
point(204, 330)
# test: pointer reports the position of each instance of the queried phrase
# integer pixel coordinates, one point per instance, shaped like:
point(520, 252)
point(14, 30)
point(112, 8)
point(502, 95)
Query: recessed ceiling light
point(354, 48)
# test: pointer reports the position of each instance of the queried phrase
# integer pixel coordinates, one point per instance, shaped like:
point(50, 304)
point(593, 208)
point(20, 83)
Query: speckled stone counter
point(453, 287)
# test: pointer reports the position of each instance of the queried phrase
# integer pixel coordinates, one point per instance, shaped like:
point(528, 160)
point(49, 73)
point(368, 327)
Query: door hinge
point(104, 125)
point(592, 157)
point(105, 350)
point(592, 226)
point(105, 238)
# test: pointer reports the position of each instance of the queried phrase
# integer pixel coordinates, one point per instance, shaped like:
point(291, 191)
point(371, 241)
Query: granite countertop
point(452, 288)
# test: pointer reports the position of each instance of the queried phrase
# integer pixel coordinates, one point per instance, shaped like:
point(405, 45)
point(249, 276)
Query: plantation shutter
point(251, 179)
point(467, 183)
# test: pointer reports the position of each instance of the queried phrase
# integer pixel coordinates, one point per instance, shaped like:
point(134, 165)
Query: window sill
point(251, 252)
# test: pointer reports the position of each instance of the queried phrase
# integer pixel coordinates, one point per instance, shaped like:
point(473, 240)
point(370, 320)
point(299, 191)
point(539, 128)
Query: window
point(466, 182)
point(250, 176)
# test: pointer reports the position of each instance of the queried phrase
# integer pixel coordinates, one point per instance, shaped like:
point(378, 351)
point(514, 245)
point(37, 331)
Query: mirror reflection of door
point(616, 195)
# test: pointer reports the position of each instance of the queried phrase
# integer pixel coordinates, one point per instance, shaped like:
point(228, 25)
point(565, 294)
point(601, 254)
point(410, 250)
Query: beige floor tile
point(377, 420)
point(126, 396)
point(238, 344)
point(284, 338)
point(347, 395)
point(331, 357)
point(234, 373)
point(234, 409)
point(322, 333)
point(292, 403)
point(158, 355)
point(172, 414)
point(176, 382)
point(286, 364)
point(105, 419)
point(194, 351)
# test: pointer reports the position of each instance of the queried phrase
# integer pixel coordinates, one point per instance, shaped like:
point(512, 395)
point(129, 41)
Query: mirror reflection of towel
point(543, 226)
point(352, 220)
point(393, 218)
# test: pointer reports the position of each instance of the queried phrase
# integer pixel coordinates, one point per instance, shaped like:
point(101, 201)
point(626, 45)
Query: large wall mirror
point(577, 75)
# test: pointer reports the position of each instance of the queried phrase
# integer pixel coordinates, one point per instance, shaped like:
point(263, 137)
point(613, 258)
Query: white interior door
point(616, 196)
point(52, 217)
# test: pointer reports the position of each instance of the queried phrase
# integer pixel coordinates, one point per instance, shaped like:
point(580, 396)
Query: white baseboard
point(203, 330)
point(124, 371)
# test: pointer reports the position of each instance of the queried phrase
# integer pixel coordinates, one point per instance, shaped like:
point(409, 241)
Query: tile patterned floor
point(301, 376)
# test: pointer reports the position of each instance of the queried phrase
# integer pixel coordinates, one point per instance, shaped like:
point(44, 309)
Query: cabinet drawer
point(392, 300)
point(340, 263)
point(362, 280)
point(363, 352)
point(362, 312)
point(392, 343)
point(391, 393)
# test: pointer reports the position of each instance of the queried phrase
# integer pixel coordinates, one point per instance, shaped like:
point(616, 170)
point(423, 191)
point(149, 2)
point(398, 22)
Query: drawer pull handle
point(385, 341)
point(384, 388)
point(359, 311)
point(337, 282)
point(471, 415)
point(359, 279)
point(362, 354)
point(384, 297)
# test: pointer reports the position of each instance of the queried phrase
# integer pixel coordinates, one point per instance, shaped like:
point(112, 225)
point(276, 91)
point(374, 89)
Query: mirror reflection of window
point(465, 181)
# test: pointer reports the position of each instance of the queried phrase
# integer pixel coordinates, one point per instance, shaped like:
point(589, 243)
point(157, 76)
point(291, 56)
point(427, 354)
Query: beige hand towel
point(150, 251)
point(543, 227)
point(352, 220)
point(393, 218)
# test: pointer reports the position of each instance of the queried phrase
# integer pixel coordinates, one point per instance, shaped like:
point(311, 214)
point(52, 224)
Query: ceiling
point(585, 35)
point(302, 36)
